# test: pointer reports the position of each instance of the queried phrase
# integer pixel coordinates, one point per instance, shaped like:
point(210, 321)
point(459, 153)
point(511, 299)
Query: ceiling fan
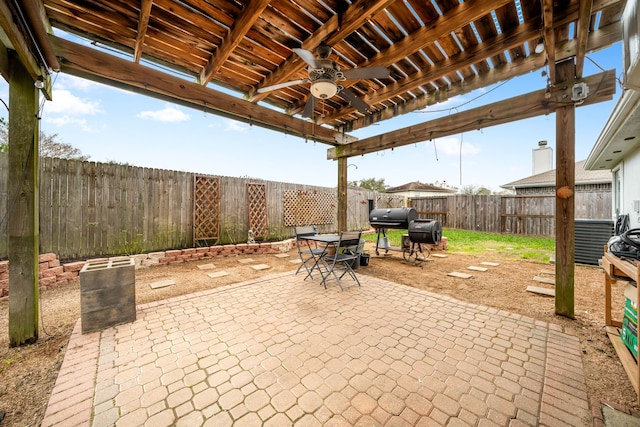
point(325, 75)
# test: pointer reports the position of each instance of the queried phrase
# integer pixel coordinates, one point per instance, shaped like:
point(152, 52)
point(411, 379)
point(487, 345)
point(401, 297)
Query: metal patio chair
point(339, 264)
point(309, 252)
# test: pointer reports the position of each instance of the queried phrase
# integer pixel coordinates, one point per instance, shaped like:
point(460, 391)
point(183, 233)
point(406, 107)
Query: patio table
point(328, 240)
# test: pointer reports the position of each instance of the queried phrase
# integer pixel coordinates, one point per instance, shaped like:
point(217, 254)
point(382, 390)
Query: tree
point(371, 184)
point(475, 190)
point(49, 146)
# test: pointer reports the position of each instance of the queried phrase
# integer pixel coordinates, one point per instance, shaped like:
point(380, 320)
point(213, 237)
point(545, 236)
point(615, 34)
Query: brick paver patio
point(280, 351)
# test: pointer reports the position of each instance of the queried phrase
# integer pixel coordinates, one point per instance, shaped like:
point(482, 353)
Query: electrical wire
point(602, 69)
point(445, 110)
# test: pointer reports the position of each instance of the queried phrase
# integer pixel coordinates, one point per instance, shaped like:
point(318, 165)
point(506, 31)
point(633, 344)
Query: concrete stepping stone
point(259, 267)
point(282, 255)
point(206, 266)
point(246, 260)
point(490, 264)
point(438, 255)
point(218, 274)
point(475, 268)
point(544, 280)
point(162, 284)
point(551, 272)
point(295, 261)
point(541, 291)
point(459, 275)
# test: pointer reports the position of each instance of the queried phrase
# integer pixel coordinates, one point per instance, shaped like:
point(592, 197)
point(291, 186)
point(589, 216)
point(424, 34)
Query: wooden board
point(627, 360)
point(459, 275)
point(218, 274)
point(544, 280)
point(162, 284)
point(541, 291)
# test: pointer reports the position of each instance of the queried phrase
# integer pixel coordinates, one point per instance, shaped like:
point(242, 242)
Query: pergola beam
point(453, 20)
point(18, 42)
point(521, 107)
point(583, 34)
point(530, 30)
point(549, 37)
point(92, 64)
point(331, 32)
point(232, 39)
point(143, 25)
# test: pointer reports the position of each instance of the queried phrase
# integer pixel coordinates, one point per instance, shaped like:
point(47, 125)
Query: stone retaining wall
point(54, 273)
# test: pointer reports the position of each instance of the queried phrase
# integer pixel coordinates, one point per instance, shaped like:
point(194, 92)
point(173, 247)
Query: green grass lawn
point(507, 246)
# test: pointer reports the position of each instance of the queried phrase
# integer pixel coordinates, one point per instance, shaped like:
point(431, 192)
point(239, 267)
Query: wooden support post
point(22, 188)
point(342, 194)
point(565, 197)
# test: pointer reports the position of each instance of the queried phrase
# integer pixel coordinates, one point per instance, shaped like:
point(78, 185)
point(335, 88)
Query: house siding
point(581, 188)
point(631, 188)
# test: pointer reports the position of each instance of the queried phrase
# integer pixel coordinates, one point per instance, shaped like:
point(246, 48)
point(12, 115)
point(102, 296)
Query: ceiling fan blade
point(356, 102)
point(281, 85)
point(309, 106)
point(308, 57)
point(378, 72)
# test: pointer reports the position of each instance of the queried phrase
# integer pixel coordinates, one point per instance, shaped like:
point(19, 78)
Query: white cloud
point(451, 147)
point(64, 102)
point(168, 114)
point(65, 81)
point(234, 126)
point(74, 121)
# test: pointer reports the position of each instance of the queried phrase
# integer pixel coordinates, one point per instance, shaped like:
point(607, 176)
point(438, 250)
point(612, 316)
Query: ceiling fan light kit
point(323, 88)
point(324, 74)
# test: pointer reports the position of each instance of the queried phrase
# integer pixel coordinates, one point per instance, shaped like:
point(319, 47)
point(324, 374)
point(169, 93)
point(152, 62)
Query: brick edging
point(53, 273)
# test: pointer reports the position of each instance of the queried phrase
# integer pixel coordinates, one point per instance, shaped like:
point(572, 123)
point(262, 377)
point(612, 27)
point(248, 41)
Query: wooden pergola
point(217, 55)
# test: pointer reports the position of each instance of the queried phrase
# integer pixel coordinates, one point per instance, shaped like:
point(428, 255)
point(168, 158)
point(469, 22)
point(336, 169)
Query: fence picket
point(89, 209)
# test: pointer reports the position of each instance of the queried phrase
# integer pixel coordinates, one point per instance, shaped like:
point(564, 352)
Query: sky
point(109, 124)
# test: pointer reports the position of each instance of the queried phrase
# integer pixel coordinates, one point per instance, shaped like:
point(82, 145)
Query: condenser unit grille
point(590, 237)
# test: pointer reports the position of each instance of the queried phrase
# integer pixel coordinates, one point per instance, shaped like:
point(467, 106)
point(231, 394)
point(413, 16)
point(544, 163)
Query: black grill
point(394, 218)
point(425, 231)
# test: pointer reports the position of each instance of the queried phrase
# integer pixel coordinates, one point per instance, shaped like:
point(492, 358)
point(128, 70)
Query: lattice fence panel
point(309, 207)
point(257, 200)
point(206, 209)
point(385, 201)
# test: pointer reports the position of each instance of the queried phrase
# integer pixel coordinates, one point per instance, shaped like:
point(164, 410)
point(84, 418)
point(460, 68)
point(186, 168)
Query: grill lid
point(398, 218)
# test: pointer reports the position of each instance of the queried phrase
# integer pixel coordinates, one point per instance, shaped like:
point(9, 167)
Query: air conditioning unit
point(631, 45)
point(590, 237)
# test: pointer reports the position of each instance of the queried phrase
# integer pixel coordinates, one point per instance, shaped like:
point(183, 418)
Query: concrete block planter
point(107, 294)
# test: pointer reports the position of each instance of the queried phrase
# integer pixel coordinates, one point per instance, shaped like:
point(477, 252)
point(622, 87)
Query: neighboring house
point(617, 149)
point(545, 182)
point(418, 189)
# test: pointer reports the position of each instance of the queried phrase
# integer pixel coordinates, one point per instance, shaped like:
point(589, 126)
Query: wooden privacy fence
point(90, 209)
point(532, 215)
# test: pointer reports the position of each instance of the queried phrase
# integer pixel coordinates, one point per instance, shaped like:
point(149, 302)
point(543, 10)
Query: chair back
point(349, 239)
point(305, 230)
